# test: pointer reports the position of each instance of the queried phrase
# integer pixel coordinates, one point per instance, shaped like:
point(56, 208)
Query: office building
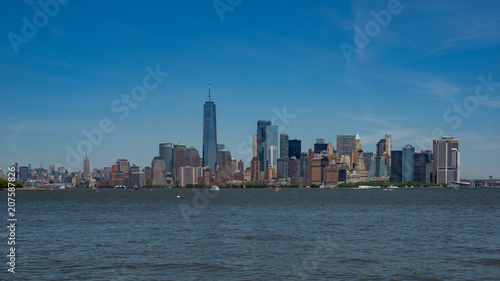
point(345, 143)
point(396, 166)
point(408, 164)
point(423, 166)
point(86, 168)
point(282, 168)
point(241, 166)
point(254, 146)
point(255, 170)
point(284, 147)
point(224, 161)
point(24, 174)
point(123, 166)
point(166, 151)
point(272, 156)
point(179, 159)
point(209, 132)
point(294, 148)
point(192, 157)
point(267, 135)
point(158, 171)
point(138, 178)
point(320, 146)
point(384, 147)
point(446, 159)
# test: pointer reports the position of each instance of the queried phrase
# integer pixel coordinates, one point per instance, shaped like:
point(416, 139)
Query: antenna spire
point(208, 90)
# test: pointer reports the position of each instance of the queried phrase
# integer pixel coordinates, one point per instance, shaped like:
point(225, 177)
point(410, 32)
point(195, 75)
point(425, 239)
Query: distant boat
point(62, 187)
point(214, 187)
point(136, 187)
point(393, 186)
point(277, 189)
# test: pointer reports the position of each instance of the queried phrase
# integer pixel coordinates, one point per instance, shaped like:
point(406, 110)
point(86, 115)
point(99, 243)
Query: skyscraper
point(446, 160)
point(267, 135)
point(284, 147)
point(180, 159)
point(209, 133)
point(294, 148)
point(241, 166)
point(254, 146)
point(86, 168)
point(272, 156)
point(408, 163)
point(320, 146)
point(384, 147)
point(166, 154)
point(344, 144)
point(397, 166)
point(158, 171)
point(422, 171)
point(224, 161)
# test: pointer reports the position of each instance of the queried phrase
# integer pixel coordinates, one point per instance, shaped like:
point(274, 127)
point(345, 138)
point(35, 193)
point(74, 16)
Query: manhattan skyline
point(281, 61)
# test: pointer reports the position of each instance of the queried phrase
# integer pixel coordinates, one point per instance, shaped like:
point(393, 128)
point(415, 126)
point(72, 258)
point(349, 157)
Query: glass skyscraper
point(408, 164)
point(166, 154)
point(209, 133)
point(267, 135)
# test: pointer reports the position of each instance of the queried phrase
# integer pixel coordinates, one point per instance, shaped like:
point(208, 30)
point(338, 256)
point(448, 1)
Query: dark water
point(405, 234)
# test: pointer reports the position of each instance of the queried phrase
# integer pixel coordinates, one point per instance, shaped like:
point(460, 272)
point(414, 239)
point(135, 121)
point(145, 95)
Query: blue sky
point(418, 69)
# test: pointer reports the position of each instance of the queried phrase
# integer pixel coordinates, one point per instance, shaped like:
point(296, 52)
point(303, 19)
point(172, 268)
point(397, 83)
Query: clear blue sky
point(261, 57)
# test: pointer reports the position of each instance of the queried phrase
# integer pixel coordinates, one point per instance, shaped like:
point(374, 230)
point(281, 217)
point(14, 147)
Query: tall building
point(179, 154)
point(254, 146)
point(158, 171)
point(267, 135)
point(189, 175)
point(345, 143)
point(23, 174)
point(284, 147)
point(241, 166)
point(166, 154)
point(408, 163)
point(368, 159)
point(396, 166)
point(234, 165)
point(320, 146)
point(86, 168)
point(446, 159)
point(209, 133)
point(293, 167)
point(294, 148)
point(220, 146)
point(255, 170)
point(272, 158)
point(224, 161)
point(52, 168)
point(423, 166)
point(384, 147)
point(192, 157)
point(379, 168)
point(123, 166)
point(282, 168)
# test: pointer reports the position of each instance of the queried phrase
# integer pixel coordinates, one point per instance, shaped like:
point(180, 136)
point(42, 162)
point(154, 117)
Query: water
point(405, 234)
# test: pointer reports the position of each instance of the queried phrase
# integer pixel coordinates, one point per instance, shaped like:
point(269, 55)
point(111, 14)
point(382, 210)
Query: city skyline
point(415, 80)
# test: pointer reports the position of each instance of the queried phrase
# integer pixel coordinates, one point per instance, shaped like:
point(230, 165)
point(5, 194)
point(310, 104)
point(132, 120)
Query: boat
point(136, 187)
point(214, 187)
point(393, 186)
point(277, 189)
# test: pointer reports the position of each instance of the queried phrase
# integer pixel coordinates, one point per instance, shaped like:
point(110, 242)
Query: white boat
point(393, 186)
point(214, 187)
point(277, 189)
